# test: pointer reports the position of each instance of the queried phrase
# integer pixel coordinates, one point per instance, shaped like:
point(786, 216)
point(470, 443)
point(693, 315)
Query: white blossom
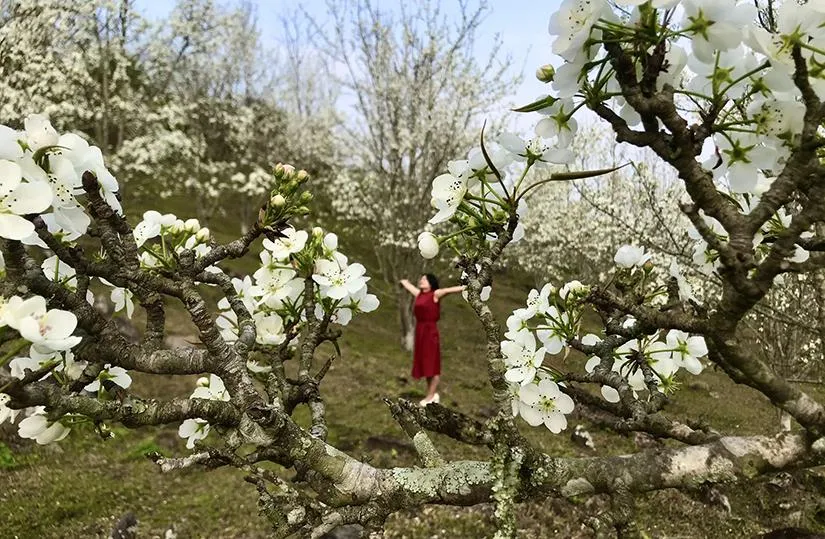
point(571, 24)
point(544, 403)
point(522, 358)
point(122, 298)
point(116, 375)
point(39, 428)
point(6, 413)
point(18, 198)
point(193, 430)
point(629, 256)
point(337, 282)
point(688, 350)
point(211, 388)
point(292, 242)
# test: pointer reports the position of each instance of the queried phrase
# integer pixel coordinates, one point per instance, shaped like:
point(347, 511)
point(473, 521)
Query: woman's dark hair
point(433, 280)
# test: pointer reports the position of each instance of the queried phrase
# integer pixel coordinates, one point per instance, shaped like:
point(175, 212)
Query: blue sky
point(521, 24)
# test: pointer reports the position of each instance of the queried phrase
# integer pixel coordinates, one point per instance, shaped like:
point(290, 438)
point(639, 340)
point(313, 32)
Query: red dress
point(427, 352)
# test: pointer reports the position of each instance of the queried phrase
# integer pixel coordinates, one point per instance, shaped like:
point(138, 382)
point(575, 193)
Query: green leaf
point(581, 174)
point(542, 103)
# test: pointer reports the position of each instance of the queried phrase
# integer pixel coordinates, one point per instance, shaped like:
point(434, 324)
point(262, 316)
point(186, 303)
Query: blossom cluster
point(163, 237)
point(50, 334)
point(275, 292)
point(550, 318)
point(706, 258)
point(664, 352)
point(196, 429)
point(41, 174)
point(274, 297)
point(477, 192)
point(715, 58)
point(551, 322)
point(733, 66)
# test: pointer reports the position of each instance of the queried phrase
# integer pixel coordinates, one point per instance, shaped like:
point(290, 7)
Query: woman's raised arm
point(441, 292)
point(411, 288)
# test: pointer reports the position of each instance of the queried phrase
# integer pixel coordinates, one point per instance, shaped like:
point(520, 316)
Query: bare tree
point(419, 94)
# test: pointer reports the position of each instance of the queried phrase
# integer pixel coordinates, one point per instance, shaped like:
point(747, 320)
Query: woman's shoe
point(425, 401)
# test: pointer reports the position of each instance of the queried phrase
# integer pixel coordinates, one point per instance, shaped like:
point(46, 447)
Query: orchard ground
point(82, 485)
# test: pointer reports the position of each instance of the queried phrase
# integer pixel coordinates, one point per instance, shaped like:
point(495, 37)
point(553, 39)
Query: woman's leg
point(432, 386)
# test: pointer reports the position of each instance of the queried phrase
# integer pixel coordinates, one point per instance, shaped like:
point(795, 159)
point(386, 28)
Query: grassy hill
point(82, 485)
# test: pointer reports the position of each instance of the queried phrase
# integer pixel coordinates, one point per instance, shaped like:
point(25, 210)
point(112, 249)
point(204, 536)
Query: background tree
point(214, 111)
point(77, 62)
point(307, 91)
point(405, 73)
point(188, 106)
point(636, 204)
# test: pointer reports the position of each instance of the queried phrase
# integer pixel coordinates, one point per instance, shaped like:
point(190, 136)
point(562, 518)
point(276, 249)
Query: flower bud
point(546, 73)
point(428, 245)
point(289, 187)
point(177, 227)
point(191, 226)
point(317, 232)
point(277, 201)
point(284, 172)
point(305, 198)
point(301, 210)
point(302, 176)
point(573, 287)
point(202, 235)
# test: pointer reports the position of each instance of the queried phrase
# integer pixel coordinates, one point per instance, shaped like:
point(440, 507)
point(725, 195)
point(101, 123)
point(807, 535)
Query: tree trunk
point(406, 319)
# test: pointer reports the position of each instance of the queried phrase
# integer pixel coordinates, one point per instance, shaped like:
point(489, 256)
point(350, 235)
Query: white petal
point(14, 227)
point(529, 394)
point(32, 426)
point(592, 363)
point(564, 404)
point(555, 422)
point(692, 365)
point(60, 322)
point(10, 176)
point(54, 433)
point(610, 394)
point(533, 416)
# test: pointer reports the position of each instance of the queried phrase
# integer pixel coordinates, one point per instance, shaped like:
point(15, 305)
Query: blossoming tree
point(637, 204)
point(182, 106)
point(750, 98)
point(405, 71)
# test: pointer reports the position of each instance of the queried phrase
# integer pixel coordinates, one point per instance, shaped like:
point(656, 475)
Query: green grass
point(7, 460)
point(81, 486)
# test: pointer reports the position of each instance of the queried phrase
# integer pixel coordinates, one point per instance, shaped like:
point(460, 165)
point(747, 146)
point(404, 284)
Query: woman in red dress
point(427, 351)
